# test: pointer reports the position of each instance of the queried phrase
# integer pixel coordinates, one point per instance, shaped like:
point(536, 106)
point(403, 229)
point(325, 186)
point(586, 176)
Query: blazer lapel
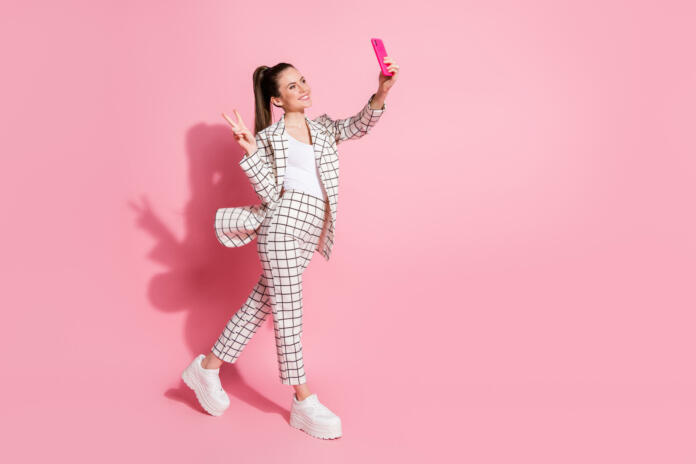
point(319, 142)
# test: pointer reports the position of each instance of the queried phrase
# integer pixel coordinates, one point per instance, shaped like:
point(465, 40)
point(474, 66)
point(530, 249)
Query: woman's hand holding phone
point(242, 134)
point(386, 82)
point(389, 70)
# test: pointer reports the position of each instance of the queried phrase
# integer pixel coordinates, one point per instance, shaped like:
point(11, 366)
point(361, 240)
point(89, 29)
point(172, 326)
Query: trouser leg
point(287, 240)
point(285, 294)
point(243, 324)
point(291, 243)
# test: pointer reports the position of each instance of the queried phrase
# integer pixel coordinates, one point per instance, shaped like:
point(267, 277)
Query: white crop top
point(301, 172)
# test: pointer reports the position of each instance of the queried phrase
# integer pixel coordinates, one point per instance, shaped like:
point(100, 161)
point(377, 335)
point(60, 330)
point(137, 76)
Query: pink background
point(513, 275)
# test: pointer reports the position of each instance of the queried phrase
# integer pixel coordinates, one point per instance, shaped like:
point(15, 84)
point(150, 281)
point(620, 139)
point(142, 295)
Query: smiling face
point(295, 93)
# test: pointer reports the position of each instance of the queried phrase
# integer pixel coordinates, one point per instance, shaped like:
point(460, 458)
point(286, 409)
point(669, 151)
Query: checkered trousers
point(287, 240)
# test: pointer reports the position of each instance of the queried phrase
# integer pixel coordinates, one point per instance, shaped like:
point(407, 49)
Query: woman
point(293, 167)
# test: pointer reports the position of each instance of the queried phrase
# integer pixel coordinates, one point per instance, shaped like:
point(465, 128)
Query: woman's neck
point(294, 119)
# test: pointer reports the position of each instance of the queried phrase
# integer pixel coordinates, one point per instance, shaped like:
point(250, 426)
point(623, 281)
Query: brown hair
point(265, 87)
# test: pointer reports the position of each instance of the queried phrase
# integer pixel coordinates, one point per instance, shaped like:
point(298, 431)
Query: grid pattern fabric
point(287, 240)
point(237, 226)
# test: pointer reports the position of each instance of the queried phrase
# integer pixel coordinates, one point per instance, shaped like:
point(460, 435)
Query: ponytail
point(265, 86)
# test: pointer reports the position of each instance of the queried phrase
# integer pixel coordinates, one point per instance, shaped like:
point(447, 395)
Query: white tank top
point(301, 172)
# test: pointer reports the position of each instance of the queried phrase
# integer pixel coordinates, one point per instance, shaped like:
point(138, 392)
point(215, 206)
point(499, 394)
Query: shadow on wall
point(203, 278)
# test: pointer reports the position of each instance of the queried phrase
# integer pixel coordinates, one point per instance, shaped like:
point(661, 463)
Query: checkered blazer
point(237, 226)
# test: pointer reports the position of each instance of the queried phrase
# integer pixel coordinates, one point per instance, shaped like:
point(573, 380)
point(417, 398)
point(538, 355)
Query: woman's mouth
point(306, 97)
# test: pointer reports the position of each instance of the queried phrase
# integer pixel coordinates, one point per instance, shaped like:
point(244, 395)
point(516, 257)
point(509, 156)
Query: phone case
point(381, 52)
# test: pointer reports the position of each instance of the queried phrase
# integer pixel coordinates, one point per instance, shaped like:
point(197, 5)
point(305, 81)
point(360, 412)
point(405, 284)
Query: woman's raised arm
point(360, 124)
point(355, 126)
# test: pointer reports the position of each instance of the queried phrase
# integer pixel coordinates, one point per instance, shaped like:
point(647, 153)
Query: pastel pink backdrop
point(513, 276)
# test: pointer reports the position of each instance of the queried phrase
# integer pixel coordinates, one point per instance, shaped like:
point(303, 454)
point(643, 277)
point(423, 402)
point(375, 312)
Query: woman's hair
point(265, 87)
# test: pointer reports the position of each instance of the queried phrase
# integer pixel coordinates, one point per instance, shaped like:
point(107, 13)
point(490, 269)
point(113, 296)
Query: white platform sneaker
point(314, 418)
point(206, 384)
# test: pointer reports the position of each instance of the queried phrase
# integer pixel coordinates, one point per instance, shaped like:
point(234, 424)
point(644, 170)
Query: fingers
point(231, 123)
point(239, 119)
point(239, 124)
point(392, 66)
point(238, 128)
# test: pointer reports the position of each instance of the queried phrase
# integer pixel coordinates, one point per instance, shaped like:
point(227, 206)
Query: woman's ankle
point(302, 392)
point(211, 362)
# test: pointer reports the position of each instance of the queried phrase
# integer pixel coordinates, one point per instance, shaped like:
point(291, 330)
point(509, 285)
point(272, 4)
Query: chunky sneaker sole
point(192, 377)
point(325, 432)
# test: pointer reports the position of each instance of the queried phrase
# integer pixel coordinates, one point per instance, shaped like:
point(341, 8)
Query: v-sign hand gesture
point(242, 134)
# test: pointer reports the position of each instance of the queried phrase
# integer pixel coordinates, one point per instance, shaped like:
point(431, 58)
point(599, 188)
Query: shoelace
point(322, 409)
point(217, 383)
point(315, 407)
point(215, 379)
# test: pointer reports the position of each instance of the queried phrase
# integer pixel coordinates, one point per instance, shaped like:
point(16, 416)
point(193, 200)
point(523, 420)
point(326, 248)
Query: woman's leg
point(240, 328)
point(285, 294)
point(244, 323)
point(292, 239)
point(302, 391)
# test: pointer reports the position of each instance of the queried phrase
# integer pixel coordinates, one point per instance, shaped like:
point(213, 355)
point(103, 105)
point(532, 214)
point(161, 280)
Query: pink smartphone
point(381, 52)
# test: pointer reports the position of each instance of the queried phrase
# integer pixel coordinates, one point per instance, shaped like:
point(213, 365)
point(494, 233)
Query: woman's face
point(295, 94)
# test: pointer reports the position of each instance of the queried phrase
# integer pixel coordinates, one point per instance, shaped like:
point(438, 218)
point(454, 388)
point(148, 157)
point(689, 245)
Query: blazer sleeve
point(260, 172)
point(355, 126)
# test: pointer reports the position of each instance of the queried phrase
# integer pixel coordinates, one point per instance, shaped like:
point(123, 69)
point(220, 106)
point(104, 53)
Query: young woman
point(293, 167)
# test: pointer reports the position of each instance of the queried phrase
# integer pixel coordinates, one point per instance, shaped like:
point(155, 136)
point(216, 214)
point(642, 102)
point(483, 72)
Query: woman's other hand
point(242, 134)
